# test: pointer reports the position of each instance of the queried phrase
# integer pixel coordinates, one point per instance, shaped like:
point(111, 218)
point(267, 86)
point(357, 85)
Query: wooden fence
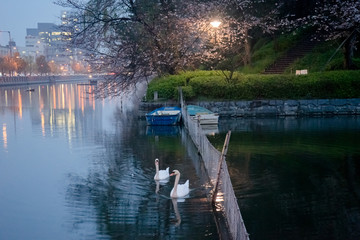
point(223, 195)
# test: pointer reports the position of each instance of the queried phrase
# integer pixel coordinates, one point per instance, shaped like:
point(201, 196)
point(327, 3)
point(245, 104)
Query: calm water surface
point(296, 178)
point(73, 167)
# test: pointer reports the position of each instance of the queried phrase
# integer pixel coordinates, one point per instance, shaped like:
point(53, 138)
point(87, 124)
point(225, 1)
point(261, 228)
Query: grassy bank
point(326, 78)
point(211, 85)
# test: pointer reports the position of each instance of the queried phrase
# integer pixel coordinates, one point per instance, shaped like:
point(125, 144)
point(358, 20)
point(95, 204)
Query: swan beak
point(172, 174)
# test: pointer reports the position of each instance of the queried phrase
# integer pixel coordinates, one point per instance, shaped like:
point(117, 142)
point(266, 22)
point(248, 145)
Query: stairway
point(298, 51)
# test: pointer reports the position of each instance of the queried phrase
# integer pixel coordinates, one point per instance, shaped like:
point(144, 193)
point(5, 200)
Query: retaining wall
point(262, 108)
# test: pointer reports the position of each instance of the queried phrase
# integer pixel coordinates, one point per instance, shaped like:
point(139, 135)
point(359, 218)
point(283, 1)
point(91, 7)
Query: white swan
point(160, 174)
point(179, 190)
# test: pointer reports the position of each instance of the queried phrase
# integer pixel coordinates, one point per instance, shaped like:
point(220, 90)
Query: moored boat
point(164, 116)
point(203, 115)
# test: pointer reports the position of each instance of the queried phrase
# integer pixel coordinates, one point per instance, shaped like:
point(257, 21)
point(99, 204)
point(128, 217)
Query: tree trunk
point(247, 56)
point(349, 52)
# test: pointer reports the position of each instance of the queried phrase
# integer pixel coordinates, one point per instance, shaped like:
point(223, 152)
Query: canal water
point(295, 178)
point(76, 167)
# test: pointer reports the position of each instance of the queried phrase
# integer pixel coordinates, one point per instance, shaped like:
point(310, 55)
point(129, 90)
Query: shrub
point(212, 85)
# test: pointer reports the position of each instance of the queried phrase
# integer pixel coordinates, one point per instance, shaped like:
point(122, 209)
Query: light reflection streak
point(62, 96)
point(82, 101)
point(20, 104)
point(6, 98)
point(219, 201)
point(30, 98)
point(54, 97)
point(93, 100)
point(56, 106)
point(4, 133)
point(42, 117)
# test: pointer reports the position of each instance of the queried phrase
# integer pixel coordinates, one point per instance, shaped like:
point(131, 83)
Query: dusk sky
point(17, 15)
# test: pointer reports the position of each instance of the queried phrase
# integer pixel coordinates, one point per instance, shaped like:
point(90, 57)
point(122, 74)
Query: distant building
point(48, 40)
point(43, 40)
point(4, 51)
point(34, 47)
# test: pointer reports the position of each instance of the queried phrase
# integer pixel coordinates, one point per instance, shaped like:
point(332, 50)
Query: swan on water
point(160, 174)
point(179, 190)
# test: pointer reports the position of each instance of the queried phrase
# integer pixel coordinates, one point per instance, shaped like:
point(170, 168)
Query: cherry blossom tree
point(137, 39)
point(333, 19)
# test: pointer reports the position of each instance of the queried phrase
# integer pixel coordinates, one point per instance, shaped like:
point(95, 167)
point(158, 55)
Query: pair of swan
point(179, 190)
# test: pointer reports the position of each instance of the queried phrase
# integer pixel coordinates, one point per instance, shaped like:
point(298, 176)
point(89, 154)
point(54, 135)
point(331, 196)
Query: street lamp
point(9, 42)
point(215, 24)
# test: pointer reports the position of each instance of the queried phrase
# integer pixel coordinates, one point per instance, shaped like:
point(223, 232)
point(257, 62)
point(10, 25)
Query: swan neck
point(157, 168)
point(177, 178)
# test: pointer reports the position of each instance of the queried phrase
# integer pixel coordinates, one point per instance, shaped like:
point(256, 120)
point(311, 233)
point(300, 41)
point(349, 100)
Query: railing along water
point(224, 195)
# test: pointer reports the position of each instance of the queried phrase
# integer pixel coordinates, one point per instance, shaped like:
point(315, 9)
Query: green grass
point(323, 58)
point(326, 79)
point(212, 85)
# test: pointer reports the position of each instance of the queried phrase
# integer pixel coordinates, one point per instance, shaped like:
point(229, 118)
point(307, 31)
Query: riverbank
point(273, 108)
point(33, 80)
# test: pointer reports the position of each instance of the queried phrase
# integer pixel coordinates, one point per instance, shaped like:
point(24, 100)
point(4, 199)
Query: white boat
point(203, 115)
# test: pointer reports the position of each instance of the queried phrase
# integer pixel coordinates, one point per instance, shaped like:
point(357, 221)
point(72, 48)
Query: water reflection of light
point(42, 117)
point(56, 106)
point(6, 98)
point(62, 97)
point(20, 104)
point(4, 133)
point(219, 201)
point(54, 97)
point(30, 98)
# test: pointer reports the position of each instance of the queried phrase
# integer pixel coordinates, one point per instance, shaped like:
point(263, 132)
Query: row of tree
point(137, 39)
point(15, 65)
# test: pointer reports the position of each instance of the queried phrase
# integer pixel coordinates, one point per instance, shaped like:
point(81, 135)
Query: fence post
point(223, 154)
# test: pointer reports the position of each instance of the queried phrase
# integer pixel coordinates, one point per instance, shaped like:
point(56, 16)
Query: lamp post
point(215, 24)
point(9, 42)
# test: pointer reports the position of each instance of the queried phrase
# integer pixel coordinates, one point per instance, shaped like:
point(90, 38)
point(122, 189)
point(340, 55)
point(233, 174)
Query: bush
point(212, 85)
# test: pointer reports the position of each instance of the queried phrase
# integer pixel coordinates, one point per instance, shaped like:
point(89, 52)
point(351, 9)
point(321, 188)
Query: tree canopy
point(135, 40)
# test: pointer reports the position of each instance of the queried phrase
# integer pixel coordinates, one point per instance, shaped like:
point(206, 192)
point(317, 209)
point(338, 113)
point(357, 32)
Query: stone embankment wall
point(262, 108)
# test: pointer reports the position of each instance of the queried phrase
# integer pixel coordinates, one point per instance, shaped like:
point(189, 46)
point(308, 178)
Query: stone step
point(300, 50)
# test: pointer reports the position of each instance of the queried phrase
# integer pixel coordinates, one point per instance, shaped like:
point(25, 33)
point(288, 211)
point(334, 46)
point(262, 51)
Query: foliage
point(334, 84)
point(317, 60)
point(42, 65)
point(137, 40)
point(333, 19)
point(7, 65)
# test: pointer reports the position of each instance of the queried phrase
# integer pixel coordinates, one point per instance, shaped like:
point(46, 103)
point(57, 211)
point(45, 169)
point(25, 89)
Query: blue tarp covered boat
point(164, 116)
point(194, 109)
point(203, 115)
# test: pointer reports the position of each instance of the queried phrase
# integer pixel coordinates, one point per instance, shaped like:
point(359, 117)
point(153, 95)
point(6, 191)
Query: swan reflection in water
point(177, 194)
point(160, 182)
point(177, 220)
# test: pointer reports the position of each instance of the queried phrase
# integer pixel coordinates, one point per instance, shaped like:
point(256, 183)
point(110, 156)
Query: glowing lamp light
point(215, 24)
